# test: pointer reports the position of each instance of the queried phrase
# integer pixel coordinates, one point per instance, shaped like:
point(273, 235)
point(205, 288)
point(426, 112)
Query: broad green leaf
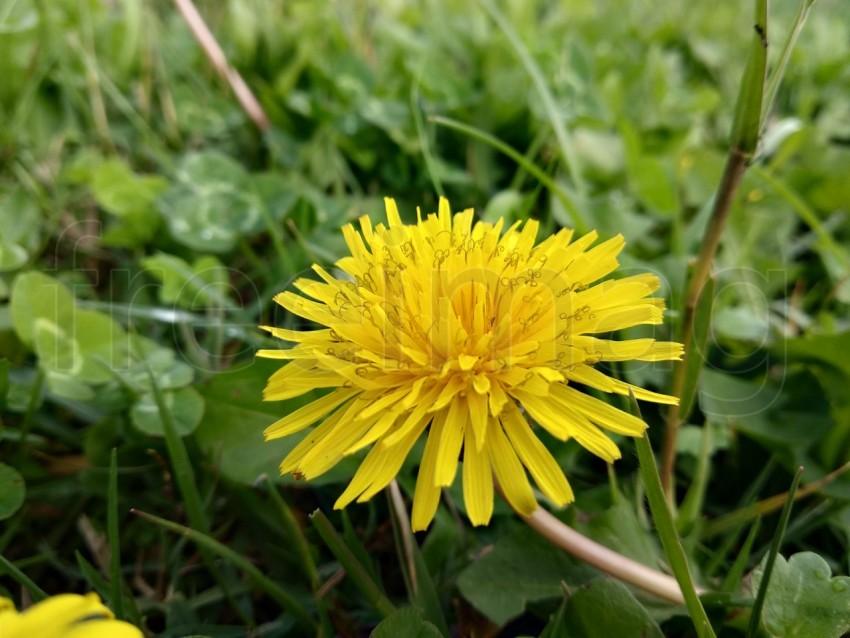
point(605, 608)
point(521, 568)
point(212, 204)
point(407, 622)
point(12, 491)
point(169, 372)
point(185, 405)
point(121, 192)
point(70, 342)
point(69, 387)
point(803, 601)
point(57, 350)
point(204, 283)
point(34, 296)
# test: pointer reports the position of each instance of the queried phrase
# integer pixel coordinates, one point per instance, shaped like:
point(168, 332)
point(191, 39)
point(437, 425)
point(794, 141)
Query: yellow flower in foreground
point(464, 331)
point(64, 616)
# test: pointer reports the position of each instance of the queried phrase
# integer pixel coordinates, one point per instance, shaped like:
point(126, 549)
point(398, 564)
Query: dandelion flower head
point(466, 333)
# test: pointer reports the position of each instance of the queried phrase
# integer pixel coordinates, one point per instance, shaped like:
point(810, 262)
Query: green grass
point(145, 225)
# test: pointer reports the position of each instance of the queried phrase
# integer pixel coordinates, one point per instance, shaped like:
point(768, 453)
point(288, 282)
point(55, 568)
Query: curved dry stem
point(605, 559)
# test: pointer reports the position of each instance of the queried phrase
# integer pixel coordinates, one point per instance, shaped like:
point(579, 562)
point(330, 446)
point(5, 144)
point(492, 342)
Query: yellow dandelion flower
point(64, 616)
point(464, 331)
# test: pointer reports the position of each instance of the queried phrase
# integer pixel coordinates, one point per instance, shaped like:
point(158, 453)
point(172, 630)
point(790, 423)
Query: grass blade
point(416, 110)
point(575, 214)
point(114, 539)
point(292, 531)
point(9, 568)
point(353, 567)
point(752, 629)
point(263, 582)
point(728, 521)
point(736, 573)
point(185, 477)
point(670, 541)
point(421, 587)
point(555, 118)
point(785, 57)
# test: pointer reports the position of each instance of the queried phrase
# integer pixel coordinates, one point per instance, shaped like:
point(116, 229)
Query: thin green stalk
point(274, 591)
point(8, 567)
point(114, 539)
point(666, 528)
point(575, 214)
point(744, 141)
point(752, 629)
point(722, 524)
point(355, 570)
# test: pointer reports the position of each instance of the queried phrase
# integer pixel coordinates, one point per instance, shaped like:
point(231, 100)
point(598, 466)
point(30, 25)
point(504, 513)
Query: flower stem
point(603, 558)
point(744, 141)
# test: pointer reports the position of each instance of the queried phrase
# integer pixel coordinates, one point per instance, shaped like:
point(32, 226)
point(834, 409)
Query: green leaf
point(521, 568)
point(212, 204)
point(204, 283)
point(20, 229)
point(803, 601)
point(121, 192)
point(12, 491)
point(604, 608)
point(407, 622)
point(185, 405)
point(34, 296)
point(170, 372)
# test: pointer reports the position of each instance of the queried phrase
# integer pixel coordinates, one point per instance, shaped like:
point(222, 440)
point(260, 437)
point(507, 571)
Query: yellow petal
point(509, 470)
point(598, 411)
point(598, 380)
point(313, 438)
point(477, 482)
point(329, 450)
point(546, 413)
point(534, 455)
point(457, 418)
point(102, 629)
point(478, 417)
point(426, 497)
point(52, 617)
point(380, 467)
point(309, 414)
